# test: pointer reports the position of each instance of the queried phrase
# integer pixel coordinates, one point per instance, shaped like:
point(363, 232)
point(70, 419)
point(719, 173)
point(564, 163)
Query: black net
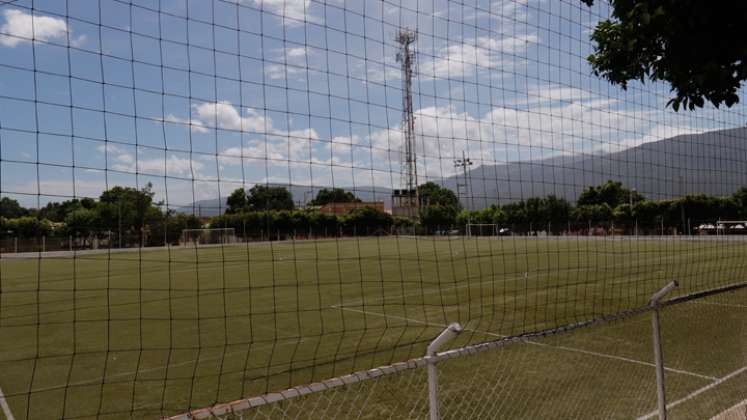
point(204, 200)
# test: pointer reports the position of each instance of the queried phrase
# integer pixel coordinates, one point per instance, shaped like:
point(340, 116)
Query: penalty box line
point(733, 412)
point(697, 392)
point(532, 342)
point(5, 407)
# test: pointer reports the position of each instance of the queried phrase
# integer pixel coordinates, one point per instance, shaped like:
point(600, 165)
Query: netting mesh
point(366, 173)
point(590, 372)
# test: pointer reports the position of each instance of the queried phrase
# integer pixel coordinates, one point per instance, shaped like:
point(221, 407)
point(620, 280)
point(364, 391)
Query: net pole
point(658, 356)
point(446, 335)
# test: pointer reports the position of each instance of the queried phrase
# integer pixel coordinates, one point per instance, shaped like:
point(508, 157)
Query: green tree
point(263, 197)
point(11, 209)
point(516, 216)
point(82, 223)
point(28, 227)
point(57, 212)
point(623, 216)
point(129, 207)
point(367, 221)
point(431, 193)
point(237, 201)
point(696, 46)
point(439, 206)
point(647, 213)
point(558, 211)
point(740, 203)
point(436, 216)
point(611, 193)
point(323, 224)
point(333, 195)
point(596, 214)
point(175, 223)
point(127, 212)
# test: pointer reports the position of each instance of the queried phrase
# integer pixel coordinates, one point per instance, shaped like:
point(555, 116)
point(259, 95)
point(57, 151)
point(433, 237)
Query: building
point(339, 209)
point(404, 203)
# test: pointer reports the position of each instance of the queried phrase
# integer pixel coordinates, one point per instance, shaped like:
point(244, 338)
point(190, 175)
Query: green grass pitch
point(150, 333)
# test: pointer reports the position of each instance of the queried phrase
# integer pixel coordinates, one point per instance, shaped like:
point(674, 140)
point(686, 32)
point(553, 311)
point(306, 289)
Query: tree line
point(612, 205)
point(124, 216)
point(127, 216)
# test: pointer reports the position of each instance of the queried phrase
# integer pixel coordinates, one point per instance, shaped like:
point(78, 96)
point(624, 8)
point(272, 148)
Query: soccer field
point(157, 332)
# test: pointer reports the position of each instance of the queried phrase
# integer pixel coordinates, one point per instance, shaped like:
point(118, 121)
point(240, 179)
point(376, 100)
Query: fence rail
point(282, 403)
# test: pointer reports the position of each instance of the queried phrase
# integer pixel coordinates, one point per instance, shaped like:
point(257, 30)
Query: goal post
point(208, 236)
point(481, 229)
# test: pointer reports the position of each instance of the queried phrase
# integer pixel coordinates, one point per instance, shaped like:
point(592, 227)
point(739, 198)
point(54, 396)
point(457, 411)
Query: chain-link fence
point(600, 369)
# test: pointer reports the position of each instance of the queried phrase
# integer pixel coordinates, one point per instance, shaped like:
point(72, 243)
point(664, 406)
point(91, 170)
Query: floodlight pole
point(446, 335)
point(659, 358)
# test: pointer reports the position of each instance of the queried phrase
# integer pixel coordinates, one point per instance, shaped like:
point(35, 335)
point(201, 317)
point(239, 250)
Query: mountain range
point(713, 163)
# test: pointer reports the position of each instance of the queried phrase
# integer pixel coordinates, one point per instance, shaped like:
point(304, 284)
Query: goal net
point(208, 236)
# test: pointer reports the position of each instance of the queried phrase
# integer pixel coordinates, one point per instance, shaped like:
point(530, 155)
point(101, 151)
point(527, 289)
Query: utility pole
point(119, 222)
point(406, 56)
point(682, 203)
point(464, 162)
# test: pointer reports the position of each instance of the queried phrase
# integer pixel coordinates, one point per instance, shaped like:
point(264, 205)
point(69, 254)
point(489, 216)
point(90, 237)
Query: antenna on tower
point(405, 202)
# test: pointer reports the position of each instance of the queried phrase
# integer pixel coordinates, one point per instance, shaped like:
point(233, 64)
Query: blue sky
point(199, 97)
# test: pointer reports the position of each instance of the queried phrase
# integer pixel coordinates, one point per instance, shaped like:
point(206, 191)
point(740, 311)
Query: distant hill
point(713, 163)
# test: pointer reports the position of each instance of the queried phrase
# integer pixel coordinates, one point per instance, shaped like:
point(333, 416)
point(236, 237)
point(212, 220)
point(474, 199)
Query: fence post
point(15, 245)
point(446, 335)
point(659, 358)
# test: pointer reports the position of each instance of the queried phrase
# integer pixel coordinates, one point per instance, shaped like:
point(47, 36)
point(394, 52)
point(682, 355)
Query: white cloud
point(296, 10)
point(122, 160)
point(466, 59)
point(116, 153)
point(295, 53)
point(281, 71)
point(224, 115)
point(581, 123)
point(195, 125)
point(511, 44)
point(291, 64)
point(20, 27)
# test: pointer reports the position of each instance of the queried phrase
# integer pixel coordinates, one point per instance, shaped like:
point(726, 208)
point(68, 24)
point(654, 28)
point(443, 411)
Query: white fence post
point(659, 358)
point(446, 335)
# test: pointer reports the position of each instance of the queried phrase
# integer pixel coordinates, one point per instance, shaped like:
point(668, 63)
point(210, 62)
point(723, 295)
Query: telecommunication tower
point(405, 201)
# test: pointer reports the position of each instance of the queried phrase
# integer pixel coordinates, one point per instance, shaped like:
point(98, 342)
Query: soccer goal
point(481, 229)
point(213, 236)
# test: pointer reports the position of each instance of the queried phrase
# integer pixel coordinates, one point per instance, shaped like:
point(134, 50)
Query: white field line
point(6, 407)
point(697, 392)
point(536, 343)
point(627, 359)
point(500, 278)
point(737, 411)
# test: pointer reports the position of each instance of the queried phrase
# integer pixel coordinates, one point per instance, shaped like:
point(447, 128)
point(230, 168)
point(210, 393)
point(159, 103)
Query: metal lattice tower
point(406, 56)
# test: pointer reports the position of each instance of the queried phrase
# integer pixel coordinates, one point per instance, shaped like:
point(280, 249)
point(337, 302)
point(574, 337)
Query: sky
point(199, 97)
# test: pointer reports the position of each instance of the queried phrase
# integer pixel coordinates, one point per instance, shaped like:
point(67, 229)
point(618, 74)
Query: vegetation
point(333, 195)
point(259, 198)
point(127, 216)
point(697, 47)
point(122, 215)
